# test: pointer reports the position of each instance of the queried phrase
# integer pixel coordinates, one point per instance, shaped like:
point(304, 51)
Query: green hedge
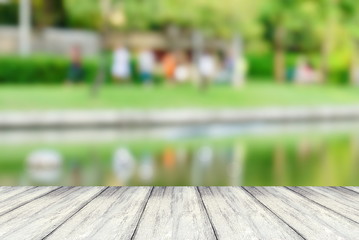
point(261, 67)
point(44, 70)
point(54, 70)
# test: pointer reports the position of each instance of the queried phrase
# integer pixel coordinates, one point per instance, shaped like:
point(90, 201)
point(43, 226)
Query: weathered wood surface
point(21, 196)
point(114, 214)
point(311, 220)
point(175, 213)
point(179, 213)
point(339, 200)
point(237, 215)
point(40, 217)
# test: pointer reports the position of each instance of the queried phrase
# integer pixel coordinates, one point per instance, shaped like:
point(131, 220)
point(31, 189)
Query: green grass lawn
point(27, 97)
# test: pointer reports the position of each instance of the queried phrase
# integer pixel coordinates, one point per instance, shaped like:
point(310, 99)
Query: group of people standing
point(121, 66)
point(176, 66)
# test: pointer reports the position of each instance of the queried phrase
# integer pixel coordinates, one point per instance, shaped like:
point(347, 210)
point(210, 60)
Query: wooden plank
point(112, 215)
point(39, 217)
point(7, 192)
point(342, 202)
point(309, 219)
point(12, 201)
point(175, 213)
point(237, 215)
point(355, 189)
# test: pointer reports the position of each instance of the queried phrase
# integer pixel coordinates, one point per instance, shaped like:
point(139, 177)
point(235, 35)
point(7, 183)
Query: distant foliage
point(41, 70)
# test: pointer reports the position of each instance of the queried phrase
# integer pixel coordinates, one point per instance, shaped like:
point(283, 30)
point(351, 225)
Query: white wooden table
point(179, 213)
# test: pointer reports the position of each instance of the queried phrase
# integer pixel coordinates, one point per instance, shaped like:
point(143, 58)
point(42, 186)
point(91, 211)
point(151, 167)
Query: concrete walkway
point(133, 118)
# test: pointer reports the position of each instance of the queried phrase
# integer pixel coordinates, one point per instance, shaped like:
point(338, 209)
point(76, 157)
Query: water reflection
point(146, 169)
point(44, 167)
point(275, 160)
point(123, 165)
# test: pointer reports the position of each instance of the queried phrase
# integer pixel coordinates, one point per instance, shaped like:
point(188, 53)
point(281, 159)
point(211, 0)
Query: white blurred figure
point(123, 165)
point(202, 161)
point(206, 69)
point(147, 65)
point(147, 169)
point(182, 71)
point(44, 167)
point(121, 64)
point(240, 72)
point(238, 62)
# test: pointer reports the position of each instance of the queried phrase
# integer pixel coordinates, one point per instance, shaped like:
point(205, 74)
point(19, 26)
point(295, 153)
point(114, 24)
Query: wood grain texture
point(39, 217)
point(354, 189)
point(174, 213)
point(112, 215)
point(309, 219)
point(339, 200)
point(179, 213)
point(11, 201)
point(237, 215)
point(7, 192)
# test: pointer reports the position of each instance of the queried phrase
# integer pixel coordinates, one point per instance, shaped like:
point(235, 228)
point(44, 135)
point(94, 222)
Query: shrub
point(40, 69)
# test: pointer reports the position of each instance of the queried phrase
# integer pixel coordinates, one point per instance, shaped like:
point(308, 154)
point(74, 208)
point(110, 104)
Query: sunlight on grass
point(138, 97)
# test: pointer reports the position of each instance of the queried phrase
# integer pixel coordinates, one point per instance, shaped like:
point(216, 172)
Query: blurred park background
point(144, 55)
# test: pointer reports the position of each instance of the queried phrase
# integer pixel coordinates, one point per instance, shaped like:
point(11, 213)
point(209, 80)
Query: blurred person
point(305, 73)
point(146, 64)
point(240, 71)
point(206, 69)
point(169, 66)
point(234, 69)
point(76, 73)
point(182, 69)
point(121, 68)
point(226, 70)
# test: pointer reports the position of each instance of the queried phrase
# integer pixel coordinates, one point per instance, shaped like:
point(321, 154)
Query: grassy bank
point(28, 97)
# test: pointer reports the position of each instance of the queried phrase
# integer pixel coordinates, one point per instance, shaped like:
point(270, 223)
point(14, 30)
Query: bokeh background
point(87, 88)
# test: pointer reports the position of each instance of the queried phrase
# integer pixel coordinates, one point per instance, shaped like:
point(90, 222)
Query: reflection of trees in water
point(201, 163)
point(93, 173)
point(354, 165)
point(335, 162)
point(301, 161)
point(235, 167)
point(304, 149)
point(279, 158)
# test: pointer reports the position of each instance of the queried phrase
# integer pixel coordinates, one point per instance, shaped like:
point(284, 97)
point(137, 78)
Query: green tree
point(282, 17)
point(349, 10)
